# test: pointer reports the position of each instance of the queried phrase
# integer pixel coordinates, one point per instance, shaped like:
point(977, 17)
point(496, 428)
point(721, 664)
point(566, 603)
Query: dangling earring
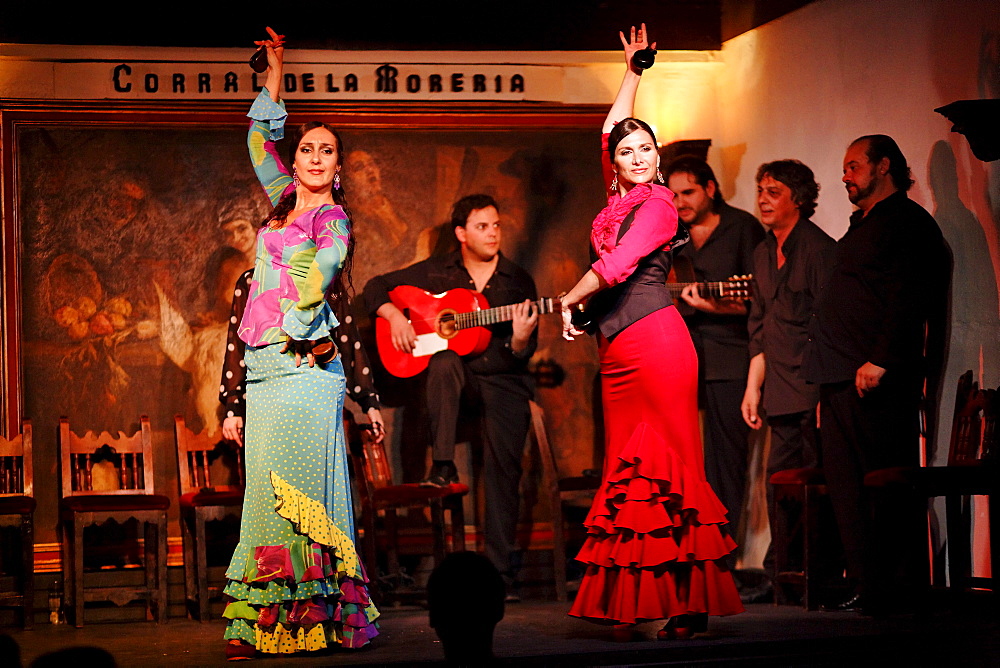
point(336, 181)
point(295, 176)
point(614, 183)
point(659, 176)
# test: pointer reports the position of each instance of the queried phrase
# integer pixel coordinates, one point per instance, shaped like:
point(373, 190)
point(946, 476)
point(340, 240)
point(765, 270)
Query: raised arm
point(275, 49)
point(268, 126)
point(625, 99)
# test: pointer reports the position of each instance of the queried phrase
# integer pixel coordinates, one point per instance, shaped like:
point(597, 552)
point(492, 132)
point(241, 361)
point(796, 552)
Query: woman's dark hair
point(343, 284)
point(798, 178)
point(700, 171)
point(465, 206)
point(623, 129)
point(884, 146)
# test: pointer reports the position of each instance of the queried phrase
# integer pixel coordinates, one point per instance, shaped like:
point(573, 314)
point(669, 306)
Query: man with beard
point(723, 239)
point(867, 353)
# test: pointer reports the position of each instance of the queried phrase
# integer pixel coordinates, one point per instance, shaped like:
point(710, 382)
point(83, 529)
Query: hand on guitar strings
point(524, 321)
point(718, 306)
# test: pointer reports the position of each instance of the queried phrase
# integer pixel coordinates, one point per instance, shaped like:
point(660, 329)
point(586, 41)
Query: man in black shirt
point(790, 267)
point(867, 346)
point(497, 379)
point(722, 243)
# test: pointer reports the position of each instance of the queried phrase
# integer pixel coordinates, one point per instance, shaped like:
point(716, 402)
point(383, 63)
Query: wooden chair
point(557, 490)
point(379, 496)
point(17, 503)
point(202, 501)
point(971, 470)
point(82, 505)
point(806, 489)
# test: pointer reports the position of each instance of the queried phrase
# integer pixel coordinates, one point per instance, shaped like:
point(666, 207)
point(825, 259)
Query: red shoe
point(239, 650)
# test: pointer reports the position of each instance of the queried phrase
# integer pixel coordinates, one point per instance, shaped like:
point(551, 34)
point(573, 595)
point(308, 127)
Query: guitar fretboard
point(497, 314)
point(717, 289)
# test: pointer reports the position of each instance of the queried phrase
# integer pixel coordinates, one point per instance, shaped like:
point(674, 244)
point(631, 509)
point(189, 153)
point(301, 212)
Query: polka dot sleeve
point(357, 370)
point(232, 387)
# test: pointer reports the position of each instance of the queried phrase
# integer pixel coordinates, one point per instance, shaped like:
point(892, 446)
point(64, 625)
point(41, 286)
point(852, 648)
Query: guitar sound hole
point(446, 327)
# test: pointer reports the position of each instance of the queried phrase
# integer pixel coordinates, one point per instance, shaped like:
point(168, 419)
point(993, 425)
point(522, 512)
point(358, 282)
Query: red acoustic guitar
point(452, 320)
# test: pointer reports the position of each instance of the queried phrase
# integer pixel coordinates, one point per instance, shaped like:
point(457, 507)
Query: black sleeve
point(377, 289)
point(234, 371)
point(357, 370)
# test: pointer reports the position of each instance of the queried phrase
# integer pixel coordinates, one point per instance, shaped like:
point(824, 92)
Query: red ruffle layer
point(655, 542)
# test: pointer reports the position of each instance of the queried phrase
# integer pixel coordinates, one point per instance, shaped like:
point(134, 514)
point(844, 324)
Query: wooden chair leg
point(959, 557)
point(780, 533)
point(392, 542)
point(201, 565)
point(28, 570)
point(994, 510)
point(558, 545)
point(810, 549)
point(457, 517)
point(77, 568)
point(188, 541)
point(161, 569)
point(437, 527)
point(148, 561)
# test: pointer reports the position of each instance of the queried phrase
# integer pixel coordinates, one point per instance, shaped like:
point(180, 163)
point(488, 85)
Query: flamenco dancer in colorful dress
point(655, 547)
point(295, 582)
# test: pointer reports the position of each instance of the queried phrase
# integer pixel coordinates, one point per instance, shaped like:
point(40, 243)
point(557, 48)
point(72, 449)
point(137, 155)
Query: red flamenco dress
point(655, 547)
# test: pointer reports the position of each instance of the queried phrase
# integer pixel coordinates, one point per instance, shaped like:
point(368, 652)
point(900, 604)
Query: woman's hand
point(275, 48)
point(636, 41)
point(232, 429)
point(568, 304)
point(301, 349)
point(378, 426)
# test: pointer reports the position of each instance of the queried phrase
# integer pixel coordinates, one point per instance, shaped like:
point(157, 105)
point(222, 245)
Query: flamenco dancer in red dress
point(655, 547)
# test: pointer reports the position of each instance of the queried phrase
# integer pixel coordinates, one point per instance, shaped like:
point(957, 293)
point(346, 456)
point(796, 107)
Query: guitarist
point(496, 381)
point(722, 242)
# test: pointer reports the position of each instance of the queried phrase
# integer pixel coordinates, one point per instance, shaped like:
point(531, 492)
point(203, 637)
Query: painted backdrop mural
point(132, 239)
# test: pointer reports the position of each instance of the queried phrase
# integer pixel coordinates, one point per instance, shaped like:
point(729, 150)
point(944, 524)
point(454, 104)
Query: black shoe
point(856, 603)
point(441, 475)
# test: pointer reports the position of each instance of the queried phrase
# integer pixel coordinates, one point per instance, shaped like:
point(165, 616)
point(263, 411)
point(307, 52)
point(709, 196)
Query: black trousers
point(794, 445)
point(863, 434)
point(727, 446)
point(502, 402)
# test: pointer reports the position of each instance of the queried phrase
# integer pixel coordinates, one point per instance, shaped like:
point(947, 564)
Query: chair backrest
point(967, 425)
point(991, 410)
point(130, 456)
point(195, 454)
point(16, 477)
point(550, 470)
point(370, 455)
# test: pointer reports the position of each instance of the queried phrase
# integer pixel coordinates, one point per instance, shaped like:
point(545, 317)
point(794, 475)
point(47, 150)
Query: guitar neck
point(716, 289)
point(497, 314)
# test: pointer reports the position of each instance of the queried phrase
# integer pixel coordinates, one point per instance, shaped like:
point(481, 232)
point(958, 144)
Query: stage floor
point(539, 633)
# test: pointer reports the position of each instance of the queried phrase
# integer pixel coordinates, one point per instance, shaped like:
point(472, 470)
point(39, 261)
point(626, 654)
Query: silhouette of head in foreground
point(465, 600)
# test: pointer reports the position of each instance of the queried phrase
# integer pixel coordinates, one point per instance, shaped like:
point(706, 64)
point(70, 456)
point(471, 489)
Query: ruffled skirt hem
point(655, 546)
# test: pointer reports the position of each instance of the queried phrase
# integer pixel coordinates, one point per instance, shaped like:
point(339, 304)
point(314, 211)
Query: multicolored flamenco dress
point(295, 580)
point(655, 548)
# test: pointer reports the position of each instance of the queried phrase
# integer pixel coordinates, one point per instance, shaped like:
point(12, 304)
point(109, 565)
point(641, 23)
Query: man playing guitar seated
point(496, 379)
